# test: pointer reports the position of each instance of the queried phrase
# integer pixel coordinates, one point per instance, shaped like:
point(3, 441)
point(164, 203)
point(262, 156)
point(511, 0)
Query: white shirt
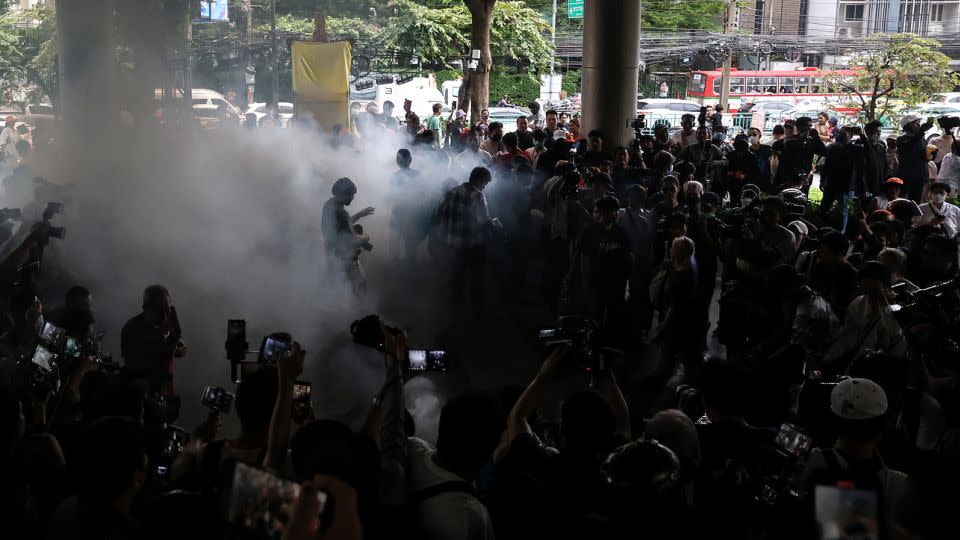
point(8, 141)
point(950, 172)
point(682, 140)
point(454, 515)
point(950, 213)
point(868, 326)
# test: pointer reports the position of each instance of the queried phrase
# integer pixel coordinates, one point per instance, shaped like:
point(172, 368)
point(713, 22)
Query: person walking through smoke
point(344, 240)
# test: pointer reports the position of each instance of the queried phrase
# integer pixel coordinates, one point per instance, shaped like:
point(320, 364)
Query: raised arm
point(289, 368)
point(527, 404)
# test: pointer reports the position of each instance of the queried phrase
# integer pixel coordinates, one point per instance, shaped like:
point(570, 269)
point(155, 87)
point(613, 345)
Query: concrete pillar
point(86, 62)
point(611, 68)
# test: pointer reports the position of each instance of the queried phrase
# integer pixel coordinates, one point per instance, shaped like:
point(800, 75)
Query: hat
point(909, 118)
point(858, 399)
point(559, 134)
point(750, 188)
point(10, 118)
point(799, 227)
point(459, 114)
point(894, 180)
point(940, 185)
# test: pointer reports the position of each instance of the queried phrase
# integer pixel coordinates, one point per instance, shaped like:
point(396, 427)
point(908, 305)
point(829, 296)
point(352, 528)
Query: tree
point(894, 71)
point(28, 63)
point(682, 14)
point(475, 90)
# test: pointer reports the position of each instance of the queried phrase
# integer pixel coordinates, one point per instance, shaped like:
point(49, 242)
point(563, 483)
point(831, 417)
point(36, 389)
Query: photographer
point(343, 243)
point(912, 155)
point(944, 215)
point(150, 341)
point(701, 155)
point(796, 153)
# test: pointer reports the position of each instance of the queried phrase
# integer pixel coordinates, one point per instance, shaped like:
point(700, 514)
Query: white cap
point(559, 134)
point(858, 399)
point(907, 118)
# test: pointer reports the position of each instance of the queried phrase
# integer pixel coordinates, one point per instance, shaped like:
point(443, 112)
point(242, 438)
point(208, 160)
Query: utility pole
point(553, 25)
point(275, 99)
point(249, 74)
point(727, 64)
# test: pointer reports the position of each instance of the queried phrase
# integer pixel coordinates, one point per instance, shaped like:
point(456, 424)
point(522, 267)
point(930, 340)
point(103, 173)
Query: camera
point(217, 399)
point(949, 122)
point(369, 332)
point(51, 210)
point(52, 334)
point(275, 346)
point(419, 360)
point(582, 334)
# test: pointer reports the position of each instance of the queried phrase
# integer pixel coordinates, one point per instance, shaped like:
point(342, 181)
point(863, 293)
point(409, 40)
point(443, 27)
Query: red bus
point(795, 86)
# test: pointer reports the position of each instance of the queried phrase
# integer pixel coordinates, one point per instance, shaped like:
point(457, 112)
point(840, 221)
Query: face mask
point(875, 138)
point(939, 198)
point(754, 141)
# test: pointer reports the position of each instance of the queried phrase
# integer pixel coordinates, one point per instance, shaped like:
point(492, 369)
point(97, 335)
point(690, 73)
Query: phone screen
point(43, 358)
point(51, 333)
point(217, 399)
point(417, 360)
point(843, 512)
point(549, 333)
point(262, 502)
point(426, 360)
point(274, 349)
point(176, 439)
point(72, 347)
point(301, 400)
point(792, 441)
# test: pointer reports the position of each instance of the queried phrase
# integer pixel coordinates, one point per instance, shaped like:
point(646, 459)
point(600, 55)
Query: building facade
point(857, 18)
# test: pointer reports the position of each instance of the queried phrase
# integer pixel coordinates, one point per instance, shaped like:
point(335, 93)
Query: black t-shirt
point(606, 256)
point(525, 140)
point(335, 225)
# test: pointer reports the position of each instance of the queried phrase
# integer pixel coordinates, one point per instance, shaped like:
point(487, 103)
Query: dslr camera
point(582, 334)
point(368, 332)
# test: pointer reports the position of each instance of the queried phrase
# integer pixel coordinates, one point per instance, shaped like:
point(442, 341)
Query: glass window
point(736, 86)
point(199, 101)
point(853, 13)
point(716, 86)
point(691, 107)
point(816, 85)
point(753, 85)
point(802, 85)
point(698, 83)
point(786, 85)
point(769, 85)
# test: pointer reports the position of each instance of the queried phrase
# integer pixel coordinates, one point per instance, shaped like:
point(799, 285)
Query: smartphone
point(217, 399)
point(261, 502)
point(426, 360)
point(52, 333)
point(273, 349)
point(792, 441)
point(845, 511)
point(72, 347)
point(43, 358)
point(175, 439)
point(302, 390)
point(548, 333)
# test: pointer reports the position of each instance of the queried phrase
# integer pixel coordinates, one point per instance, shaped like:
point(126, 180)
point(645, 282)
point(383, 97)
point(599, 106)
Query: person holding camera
point(938, 212)
point(150, 341)
point(796, 153)
point(912, 155)
point(343, 243)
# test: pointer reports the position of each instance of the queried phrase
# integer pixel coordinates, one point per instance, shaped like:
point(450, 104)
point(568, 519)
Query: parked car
point(774, 112)
point(666, 111)
point(508, 116)
point(948, 98)
point(260, 109)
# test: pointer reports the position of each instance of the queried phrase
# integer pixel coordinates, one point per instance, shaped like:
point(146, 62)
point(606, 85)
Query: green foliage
point(571, 81)
point(902, 70)
point(522, 89)
point(683, 14)
point(517, 32)
point(28, 45)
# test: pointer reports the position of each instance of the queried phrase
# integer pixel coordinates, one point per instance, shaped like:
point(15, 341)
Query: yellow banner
point(321, 81)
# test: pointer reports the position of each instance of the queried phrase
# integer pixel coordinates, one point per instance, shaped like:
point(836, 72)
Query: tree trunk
point(477, 83)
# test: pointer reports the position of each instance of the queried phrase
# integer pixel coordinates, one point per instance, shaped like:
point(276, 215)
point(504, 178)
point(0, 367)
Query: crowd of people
point(728, 359)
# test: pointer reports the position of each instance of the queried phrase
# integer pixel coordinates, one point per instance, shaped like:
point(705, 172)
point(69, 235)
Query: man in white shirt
point(950, 167)
point(8, 141)
point(441, 479)
point(687, 136)
point(472, 155)
point(938, 211)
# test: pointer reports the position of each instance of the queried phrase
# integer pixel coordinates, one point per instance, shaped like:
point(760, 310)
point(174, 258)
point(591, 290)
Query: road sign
point(575, 9)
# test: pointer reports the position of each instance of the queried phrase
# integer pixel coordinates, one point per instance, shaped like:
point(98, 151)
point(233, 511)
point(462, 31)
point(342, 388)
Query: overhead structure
point(611, 68)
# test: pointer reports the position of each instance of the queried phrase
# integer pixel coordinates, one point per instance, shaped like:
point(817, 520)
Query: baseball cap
point(559, 134)
point(908, 118)
point(858, 399)
point(894, 180)
point(460, 114)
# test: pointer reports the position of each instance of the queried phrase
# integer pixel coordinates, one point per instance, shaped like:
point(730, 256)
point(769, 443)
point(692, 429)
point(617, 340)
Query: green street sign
point(575, 9)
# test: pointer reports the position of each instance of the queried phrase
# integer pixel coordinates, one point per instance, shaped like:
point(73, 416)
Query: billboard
point(214, 10)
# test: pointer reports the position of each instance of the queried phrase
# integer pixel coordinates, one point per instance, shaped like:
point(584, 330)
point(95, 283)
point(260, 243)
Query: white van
point(206, 100)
